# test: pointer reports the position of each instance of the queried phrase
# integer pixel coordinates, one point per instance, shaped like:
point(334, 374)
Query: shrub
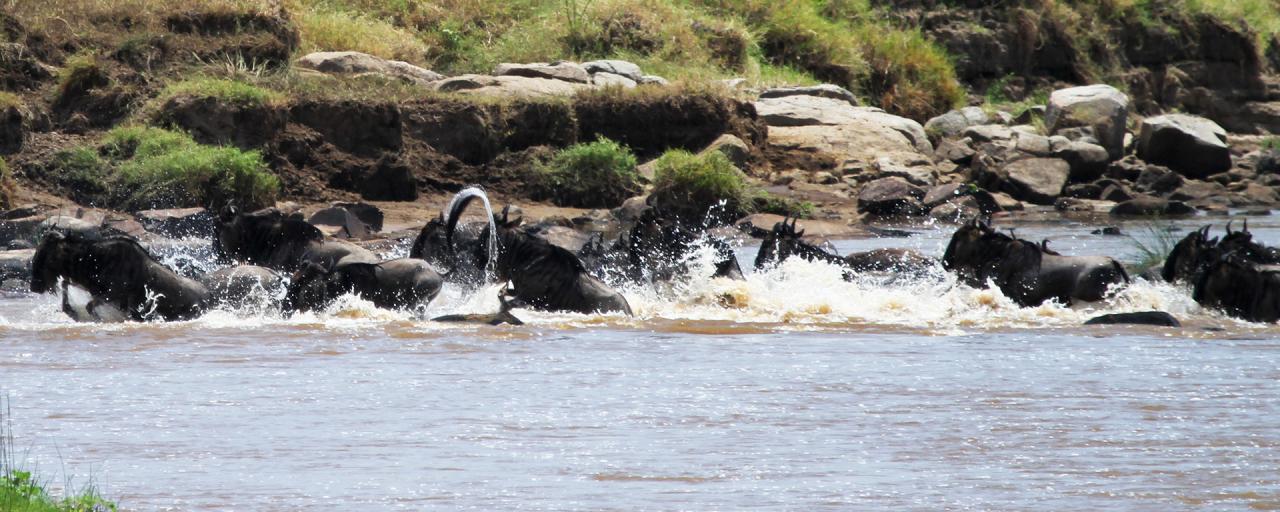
point(909, 75)
point(80, 74)
point(6, 186)
point(160, 168)
point(700, 189)
point(81, 172)
point(769, 203)
point(600, 174)
point(230, 91)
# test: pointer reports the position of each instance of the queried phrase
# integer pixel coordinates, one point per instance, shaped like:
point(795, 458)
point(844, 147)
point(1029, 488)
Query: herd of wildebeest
point(290, 265)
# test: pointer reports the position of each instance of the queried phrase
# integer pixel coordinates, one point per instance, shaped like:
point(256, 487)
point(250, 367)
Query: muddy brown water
point(792, 390)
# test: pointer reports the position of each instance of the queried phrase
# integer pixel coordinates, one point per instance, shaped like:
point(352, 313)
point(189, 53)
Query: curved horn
point(1229, 225)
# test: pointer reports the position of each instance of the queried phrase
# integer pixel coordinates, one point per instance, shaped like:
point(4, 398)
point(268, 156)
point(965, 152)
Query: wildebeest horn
point(1245, 229)
point(1229, 226)
point(1205, 231)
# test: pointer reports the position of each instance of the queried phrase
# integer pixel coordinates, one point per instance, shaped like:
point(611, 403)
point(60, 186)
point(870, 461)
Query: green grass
point(22, 491)
point(6, 186)
point(1153, 243)
point(325, 28)
point(700, 188)
point(8, 100)
point(1271, 143)
point(157, 168)
point(231, 91)
point(81, 73)
point(600, 174)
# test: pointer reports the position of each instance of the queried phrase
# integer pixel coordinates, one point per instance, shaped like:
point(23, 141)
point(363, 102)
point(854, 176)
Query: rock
point(391, 180)
point(1157, 318)
point(349, 225)
point(1268, 162)
point(1006, 202)
point(1126, 169)
point(890, 196)
point(831, 91)
point(369, 214)
point(1107, 231)
point(732, 147)
point(510, 86)
point(1034, 145)
point(560, 70)
point(612, 80)
point(1082, 191)
point(1192, 190)
point(854, 147)
point(652, 80)
point(178, 222)
point(953, 123)
point(956, 211)
point(616, 67)
point(16, 264)
point(790, 111)
point(1030, 114)
point(989, 133)
point(954, 151)
point(1193, 146)
point(1158, 180)
point(1038, 180)
point(1087, 161)
point(1256, 194)
point(943, 193)
point(1100, 107)
point(1147, 206)
point(1077, 205)
point(1116, 192)
point(360, 63)
point(825, 178)
point(920, 176)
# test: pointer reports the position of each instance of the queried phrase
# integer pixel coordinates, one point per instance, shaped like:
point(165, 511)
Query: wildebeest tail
point(1120, 270)
point(457, 205)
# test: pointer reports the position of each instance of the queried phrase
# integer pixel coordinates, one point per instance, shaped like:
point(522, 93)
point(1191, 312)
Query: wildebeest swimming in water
point(542, 275)
point(281, 242)
point(657, 249)
point(1192, 255)
point(395, 284)
point(1027, 272)
point(1240, 288)
point(784, 241)
point(119, 273)
point(458, 262)
point(244, 285)
point(503, 316)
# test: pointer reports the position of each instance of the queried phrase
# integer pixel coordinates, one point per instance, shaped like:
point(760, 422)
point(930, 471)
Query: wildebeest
point(395, 284)
point(119, 273)
point(542, 275)
point(272, 239)
point(1240, 288)
point(244, 285)
point(1192, 255)
point(503, 316)
point(1027, 272)
point(657, 248)
point(785, 241)
point(458, 262)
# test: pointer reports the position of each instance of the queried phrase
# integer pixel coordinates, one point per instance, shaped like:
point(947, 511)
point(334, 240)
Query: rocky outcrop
point(954, 123)
point(509, 85)
point(891, 196)
point(1037, 180)
point(356, 63)
point(559, 70)
point(830, 91)
point(1193, 146)
point(1099, 108)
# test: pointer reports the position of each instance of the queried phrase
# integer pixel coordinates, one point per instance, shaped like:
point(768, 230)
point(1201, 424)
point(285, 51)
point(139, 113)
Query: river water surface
point(791, 391)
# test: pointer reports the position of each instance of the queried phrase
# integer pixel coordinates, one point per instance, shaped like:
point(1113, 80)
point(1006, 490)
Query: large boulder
point(801, 110)
point(1191, 145)
point(834, 92)
point(1102, 108)
point(561, 70)
point(355, 63)
point(891, 196)
point(1087, 161)
point(1037, 180)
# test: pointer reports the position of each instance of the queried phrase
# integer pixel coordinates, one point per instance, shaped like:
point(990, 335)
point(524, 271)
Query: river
point(791, 391)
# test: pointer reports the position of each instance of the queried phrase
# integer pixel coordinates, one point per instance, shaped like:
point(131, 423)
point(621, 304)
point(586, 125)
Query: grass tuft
point(328, 29)
point(6, 186)
point(701, 189)
point(230, 91)
point(600, 174)
point(1153, 243)
point(158, 168)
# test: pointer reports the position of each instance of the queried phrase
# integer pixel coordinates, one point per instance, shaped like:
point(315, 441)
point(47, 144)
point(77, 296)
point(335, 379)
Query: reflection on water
point(792, 390)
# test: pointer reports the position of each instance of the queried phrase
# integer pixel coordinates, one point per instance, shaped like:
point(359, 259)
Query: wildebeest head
point(1190, 256)
point(1230, 283)
point(1241, 242)
point(976, 252)
point(55, 257)
point(779, 244)
point(311, 287)
point(263, 237)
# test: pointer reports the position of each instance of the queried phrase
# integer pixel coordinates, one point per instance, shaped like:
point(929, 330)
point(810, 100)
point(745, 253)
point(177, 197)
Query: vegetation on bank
point(6, 186)
point(707, 187)
point(137, 168)
point(22, 491)
point(600, 174)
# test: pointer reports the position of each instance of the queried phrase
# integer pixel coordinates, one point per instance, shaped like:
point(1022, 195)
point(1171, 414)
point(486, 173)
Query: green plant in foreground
point(698, 188)
point(1154, 242)
point(600, 174)
point(21, 491)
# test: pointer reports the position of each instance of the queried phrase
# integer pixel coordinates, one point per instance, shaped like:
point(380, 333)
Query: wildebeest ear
point(1245, 229)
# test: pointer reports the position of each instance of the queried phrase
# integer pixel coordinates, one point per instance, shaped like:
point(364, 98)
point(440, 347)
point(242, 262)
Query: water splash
point(459, 199)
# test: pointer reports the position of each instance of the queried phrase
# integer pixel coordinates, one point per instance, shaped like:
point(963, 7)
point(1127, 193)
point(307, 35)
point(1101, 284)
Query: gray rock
point(956, 211)
point(1100, 107)
point(989, 133)
point(1034, 145)
point(560, 70)
point(943, 193)
point(349, 226)
point(1038, 180)
point(356, 63)
point(890, 196)
point(953, 150)
point(920, 176)
point(732, 147)
point(792, 111)
point(1087, 161)
point(953, 123)
point(369, 214)
point(1193, 146)
point(1148, 206)
point(1156, 318)
point(16, 264)
point(831, 91)
point(1077, 205)
point(614, 66)
point(1158, 180)
point(508, 86)
point(652, 80)
point(612, 80)
point(178, 223)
